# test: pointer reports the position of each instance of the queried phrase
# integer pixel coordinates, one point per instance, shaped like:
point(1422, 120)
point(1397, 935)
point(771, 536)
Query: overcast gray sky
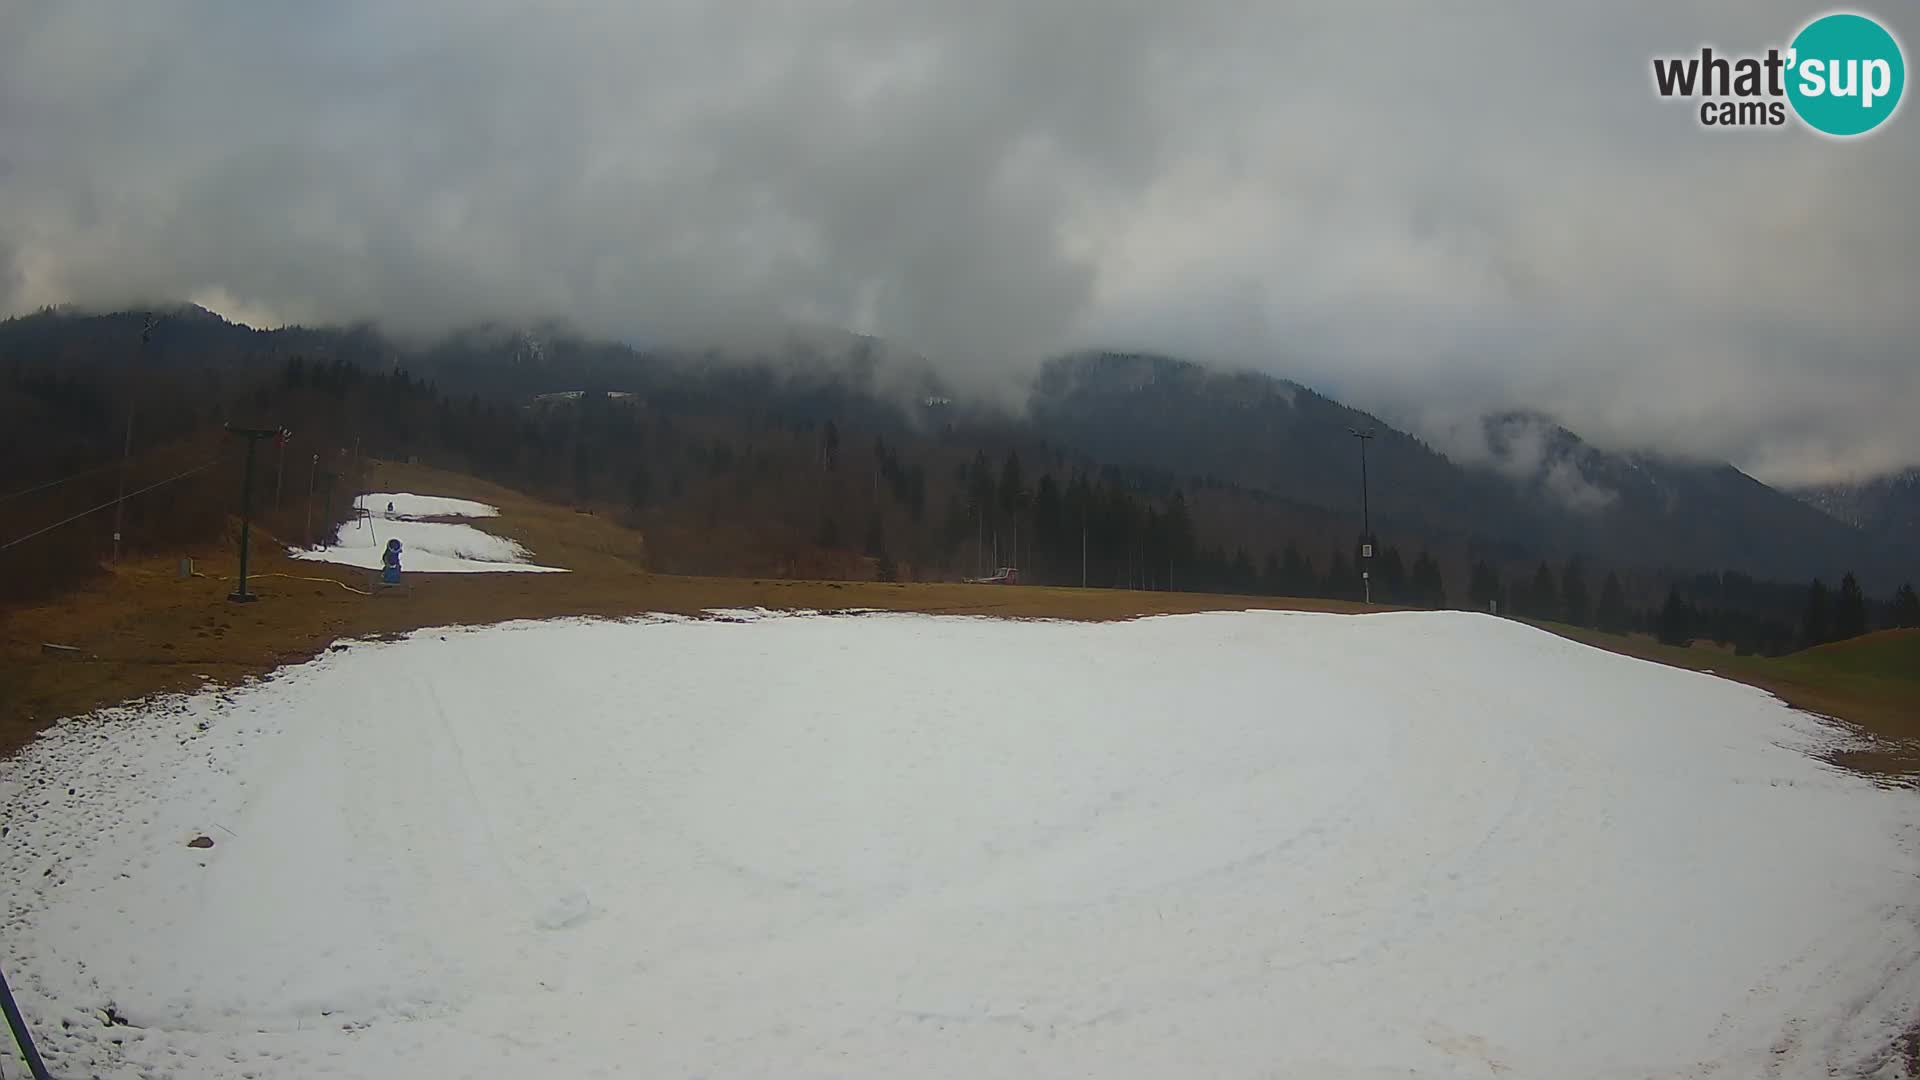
point(1425, 210)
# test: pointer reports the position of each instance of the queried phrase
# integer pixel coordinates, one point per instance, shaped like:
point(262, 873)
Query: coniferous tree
point(1612, 615)
point(1152, 548)
point(1573, 594)
point(1243, 576)
point(582, 472)
point(1676, 620)
point(1013, 501)
point(1049, 526)
point(1814, 626)
point(980, 489)
point(1272, 577)
point(1296, 572)
point(1077, 507)
point(830, 446)
point(1849, 610)
point(1483, 587)
point(883, 568)
point(1543, 599)
point(639, 487)
point(1013, 486)
point(916, 492)
point(1520, 598)
point(1904, 609)
point(1390, 578)
point(1179, 529)
point(1429, 591)
point(1342, 581)
point(979, 505)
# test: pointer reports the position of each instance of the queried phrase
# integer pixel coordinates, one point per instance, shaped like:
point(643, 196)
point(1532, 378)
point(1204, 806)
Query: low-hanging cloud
point(1528, 449)
point(1428, 213)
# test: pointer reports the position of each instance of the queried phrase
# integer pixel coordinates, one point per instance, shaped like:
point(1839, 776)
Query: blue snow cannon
point(390, 563)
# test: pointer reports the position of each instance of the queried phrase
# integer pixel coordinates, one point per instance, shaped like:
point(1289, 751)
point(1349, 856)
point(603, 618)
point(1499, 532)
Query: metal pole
point(1083, 551)
point(21, 1035)
point(126, 448)
point(1366, 519)
point(1366, 514)
point(280, 474)
point(240, 594)
point(311, 475)
point(1366, 525)
point(120, 498)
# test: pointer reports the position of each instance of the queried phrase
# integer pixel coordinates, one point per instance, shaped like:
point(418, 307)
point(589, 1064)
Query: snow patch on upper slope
point(426, 546)
point(408, 505)
point(429, 546)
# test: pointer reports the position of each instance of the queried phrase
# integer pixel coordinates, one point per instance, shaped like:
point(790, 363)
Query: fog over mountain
point(1430, 216)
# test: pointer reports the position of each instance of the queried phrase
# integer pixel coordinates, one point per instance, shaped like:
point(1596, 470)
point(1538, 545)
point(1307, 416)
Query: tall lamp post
point(1366, 517)
point(240, 595)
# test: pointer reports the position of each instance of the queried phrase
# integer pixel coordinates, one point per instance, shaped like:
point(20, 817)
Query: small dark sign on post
point(240, 595)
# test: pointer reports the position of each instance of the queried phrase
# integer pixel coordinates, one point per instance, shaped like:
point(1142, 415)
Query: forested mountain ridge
point(1535, 486)
point(825, 460)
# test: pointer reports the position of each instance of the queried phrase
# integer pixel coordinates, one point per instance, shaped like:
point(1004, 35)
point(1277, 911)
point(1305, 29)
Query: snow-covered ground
point(408, 505)
point(441, 547)
point(1260, 844)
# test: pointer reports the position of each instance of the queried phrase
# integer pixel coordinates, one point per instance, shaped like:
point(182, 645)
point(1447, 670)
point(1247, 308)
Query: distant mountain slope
point(1888, 505)
point(1536, 483)
point(1688, 513)
point(1263, 433)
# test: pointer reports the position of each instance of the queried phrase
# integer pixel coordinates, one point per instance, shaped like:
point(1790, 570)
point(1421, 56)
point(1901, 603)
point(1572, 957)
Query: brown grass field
point(143, 630)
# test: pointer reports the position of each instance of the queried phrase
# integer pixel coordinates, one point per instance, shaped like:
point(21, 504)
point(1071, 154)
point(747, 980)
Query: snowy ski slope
point(1248, 844)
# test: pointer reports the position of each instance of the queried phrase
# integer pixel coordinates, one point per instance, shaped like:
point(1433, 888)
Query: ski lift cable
point(110, 503)
point(57, 483)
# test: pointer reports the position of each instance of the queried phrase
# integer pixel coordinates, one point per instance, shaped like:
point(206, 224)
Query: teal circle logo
point(1845, 74)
